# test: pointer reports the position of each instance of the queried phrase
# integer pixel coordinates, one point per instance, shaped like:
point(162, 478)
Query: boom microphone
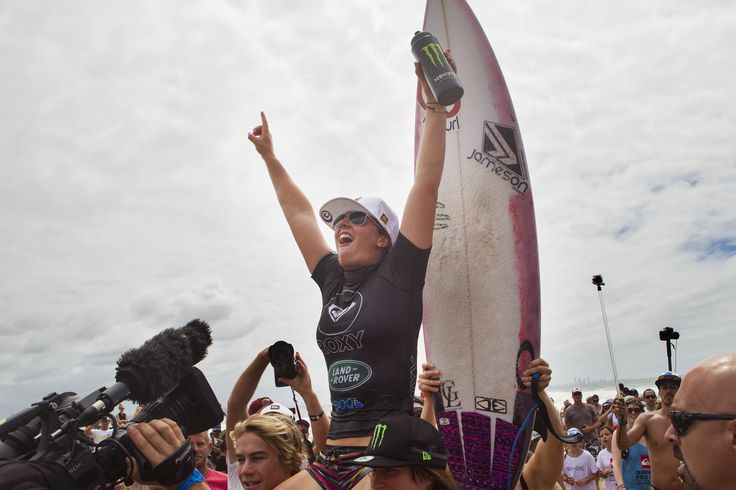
point(155, 368)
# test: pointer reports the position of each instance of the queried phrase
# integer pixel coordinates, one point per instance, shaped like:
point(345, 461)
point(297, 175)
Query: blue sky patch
point(720, 248)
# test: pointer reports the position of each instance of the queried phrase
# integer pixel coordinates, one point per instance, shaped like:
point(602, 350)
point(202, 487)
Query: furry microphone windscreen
point(159, 364)
point(199, 335)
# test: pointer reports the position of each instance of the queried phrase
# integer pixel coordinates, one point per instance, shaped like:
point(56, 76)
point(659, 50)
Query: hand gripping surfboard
point(481, 299)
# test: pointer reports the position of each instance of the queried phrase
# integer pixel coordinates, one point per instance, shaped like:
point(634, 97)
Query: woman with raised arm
point(371, 296)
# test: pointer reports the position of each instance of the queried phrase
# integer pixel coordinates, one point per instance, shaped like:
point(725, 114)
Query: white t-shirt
point(233, 482)
point(605, 462)
point(579, 468)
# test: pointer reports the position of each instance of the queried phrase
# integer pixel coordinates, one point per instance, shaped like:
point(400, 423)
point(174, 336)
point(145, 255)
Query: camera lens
point(281, 352)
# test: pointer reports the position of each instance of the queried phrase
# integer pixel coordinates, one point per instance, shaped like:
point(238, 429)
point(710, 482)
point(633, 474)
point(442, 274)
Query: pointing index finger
point(263, 120)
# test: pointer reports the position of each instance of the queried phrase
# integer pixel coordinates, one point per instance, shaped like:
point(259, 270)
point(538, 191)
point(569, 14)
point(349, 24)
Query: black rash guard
point(368, 334)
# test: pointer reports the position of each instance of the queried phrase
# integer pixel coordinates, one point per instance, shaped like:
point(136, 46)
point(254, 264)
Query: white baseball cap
point(278, 408)
point(375, 207)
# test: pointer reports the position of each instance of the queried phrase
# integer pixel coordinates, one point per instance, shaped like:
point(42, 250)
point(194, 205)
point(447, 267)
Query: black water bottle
point(442, 79)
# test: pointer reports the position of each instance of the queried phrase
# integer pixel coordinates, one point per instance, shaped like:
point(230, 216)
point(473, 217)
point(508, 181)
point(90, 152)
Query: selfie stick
point(598, 282)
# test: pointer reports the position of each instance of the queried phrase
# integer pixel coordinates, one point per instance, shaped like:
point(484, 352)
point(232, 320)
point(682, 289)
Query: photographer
point(244, 389)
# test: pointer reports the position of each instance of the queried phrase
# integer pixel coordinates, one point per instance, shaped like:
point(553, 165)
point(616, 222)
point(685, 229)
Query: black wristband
point(314, 418)
point(174, 469)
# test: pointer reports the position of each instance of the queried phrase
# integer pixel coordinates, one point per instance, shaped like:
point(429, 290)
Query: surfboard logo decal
point(501, 154)
point(488, 404)
point(440, 218)
point(348, 374)
point(450, 396)
point(499, 142)
point(342, 310)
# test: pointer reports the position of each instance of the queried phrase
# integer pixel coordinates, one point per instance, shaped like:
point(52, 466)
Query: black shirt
point(368, 333)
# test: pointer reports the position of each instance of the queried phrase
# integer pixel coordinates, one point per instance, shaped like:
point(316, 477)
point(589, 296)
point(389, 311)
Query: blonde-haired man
point(203, 446)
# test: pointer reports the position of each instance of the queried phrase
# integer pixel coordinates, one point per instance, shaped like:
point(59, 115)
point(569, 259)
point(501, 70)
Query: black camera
point(668, 333)
point(598, 280)
point(282, 359)
point(46, 438)
point(52, 435)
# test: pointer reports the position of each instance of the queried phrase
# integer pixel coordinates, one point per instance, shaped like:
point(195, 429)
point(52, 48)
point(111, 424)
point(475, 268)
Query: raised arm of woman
point(417, 224)
point(297, 209)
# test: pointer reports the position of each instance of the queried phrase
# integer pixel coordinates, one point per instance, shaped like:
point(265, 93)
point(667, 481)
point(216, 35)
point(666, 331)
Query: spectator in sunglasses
point(703, 429)
point(631, 466)
point(652, 427)
point(593, 402)
point(371, 293)
point(650, 400)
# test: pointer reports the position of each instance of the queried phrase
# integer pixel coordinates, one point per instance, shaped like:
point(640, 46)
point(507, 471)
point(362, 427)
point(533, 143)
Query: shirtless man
point(653, 425)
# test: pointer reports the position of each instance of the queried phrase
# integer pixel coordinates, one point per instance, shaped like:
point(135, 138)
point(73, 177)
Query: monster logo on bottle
point(434, 52)
point(442, 80)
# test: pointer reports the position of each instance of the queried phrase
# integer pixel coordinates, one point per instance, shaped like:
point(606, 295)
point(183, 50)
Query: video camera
point(45, 442)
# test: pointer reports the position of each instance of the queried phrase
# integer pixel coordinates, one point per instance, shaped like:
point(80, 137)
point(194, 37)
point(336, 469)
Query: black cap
point(403, 441)
point(668, 376)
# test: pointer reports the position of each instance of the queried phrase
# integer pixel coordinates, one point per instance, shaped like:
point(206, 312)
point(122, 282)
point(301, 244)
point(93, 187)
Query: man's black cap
point(403, 441)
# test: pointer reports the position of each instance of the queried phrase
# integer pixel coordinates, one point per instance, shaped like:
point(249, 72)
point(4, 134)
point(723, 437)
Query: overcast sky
point(131, 199)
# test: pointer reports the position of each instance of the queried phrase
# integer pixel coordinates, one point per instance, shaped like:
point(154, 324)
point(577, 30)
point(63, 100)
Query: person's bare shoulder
point(646, 418)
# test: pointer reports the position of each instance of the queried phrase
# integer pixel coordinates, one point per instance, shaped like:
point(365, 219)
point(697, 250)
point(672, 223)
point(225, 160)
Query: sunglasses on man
point(682, 421)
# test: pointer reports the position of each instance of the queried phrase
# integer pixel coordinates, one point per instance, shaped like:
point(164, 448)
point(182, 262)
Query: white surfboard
point(481, 299)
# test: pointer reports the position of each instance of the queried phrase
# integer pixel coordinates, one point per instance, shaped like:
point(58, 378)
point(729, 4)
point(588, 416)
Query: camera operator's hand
point(157, 440)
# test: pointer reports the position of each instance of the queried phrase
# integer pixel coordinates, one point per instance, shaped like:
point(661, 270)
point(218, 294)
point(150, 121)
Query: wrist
point(263, 358)
point(315, 417)
point(435, 107)
point(269, 157)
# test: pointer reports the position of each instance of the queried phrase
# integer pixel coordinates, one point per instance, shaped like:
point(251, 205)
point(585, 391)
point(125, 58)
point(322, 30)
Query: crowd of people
point(642, 442)
point(623, 439)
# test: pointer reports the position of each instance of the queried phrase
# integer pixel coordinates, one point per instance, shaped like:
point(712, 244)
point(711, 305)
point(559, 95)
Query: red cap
point(258, 404)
